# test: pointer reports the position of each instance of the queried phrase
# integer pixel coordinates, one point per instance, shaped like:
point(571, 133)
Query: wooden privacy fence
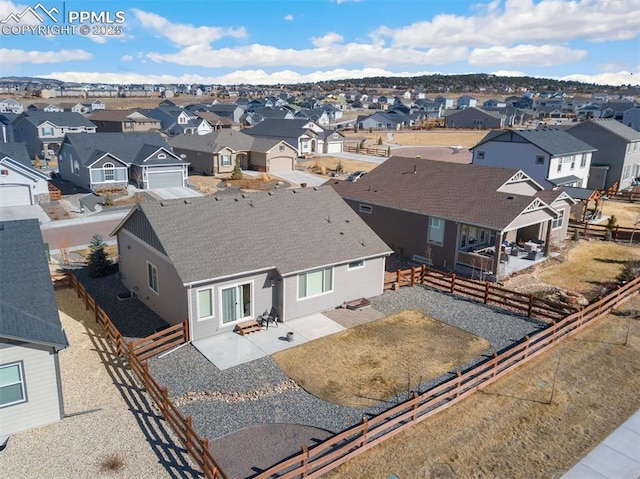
point(136, 352)
point(322, 458)
point(487, 292)
point(618, 233)
point(55, 194)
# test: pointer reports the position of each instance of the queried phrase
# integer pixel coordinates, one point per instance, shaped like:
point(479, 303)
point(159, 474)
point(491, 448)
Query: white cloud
point(16, 57)
point(288, 18)
point(327, 40)
point(331, 55)
point(544, 21)
point(612, 78)
point(127, 58)
point(183, 34)
point(532, 55)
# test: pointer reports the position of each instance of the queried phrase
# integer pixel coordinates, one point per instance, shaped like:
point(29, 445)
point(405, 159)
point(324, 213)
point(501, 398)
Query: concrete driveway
point(9, 213)
point(174, 193)
point(300, 177)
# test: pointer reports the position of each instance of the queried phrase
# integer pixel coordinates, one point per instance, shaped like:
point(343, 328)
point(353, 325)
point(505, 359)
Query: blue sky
point(272, 41)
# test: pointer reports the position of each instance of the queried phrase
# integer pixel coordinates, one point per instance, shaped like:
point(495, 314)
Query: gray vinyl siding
point(41, 380)
point(348, 285)
point(140, 227)
point(263, 297)
point(170, 303)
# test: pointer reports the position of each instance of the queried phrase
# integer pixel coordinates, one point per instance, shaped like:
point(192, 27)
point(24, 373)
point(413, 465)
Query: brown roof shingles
point(459, 192)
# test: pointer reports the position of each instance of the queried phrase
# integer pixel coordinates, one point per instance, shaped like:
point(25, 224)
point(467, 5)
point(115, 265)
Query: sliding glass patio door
point(236, 303)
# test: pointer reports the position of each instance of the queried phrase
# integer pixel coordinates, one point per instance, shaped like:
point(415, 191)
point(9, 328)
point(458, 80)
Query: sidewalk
point(617, 457)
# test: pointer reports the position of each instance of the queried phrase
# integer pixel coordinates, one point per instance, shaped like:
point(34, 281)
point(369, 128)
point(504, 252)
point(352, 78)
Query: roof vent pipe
point(415, 169)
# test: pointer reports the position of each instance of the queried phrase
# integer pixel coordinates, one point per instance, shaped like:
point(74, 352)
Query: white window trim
point(440, 226)
point(235, 285)
point(213, 310)
point(539, 160)
point(22, 383)
point(480, 155)
point(554, 223)
point(329, 291)
point(358, 265)
point(150, 278)
point(109, 166)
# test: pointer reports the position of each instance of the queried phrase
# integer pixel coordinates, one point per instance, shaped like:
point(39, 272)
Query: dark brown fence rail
point(322, 458)
point(135, 353)
point(484, 291)
point(618, 233)
point(366, 150)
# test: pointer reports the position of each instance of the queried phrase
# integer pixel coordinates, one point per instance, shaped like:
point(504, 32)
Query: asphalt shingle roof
point(28, 310)
point(552, 140)
point(279, 128)
point(132, 148)
point(460, 192)
point(66, 118)
point(218, 140)
point(17, 152)
point(291, 230)
point(611, 125)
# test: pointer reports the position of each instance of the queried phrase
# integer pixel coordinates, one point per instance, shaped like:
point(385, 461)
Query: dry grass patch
point(376, 361)
point(436, 137)
point(626, 213)
point(589, 264)
point(330, 163)
point(509, 429)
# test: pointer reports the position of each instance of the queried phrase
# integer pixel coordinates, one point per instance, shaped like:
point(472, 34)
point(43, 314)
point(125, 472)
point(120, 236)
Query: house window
point(557, 223)
point(205, 303)
point(127, 125)
point(314, 283)
point(336, 136)
point(47, 131)
point(436, 231)
point(281, 148)
point(539, 160)
point(583, 160)
point(481, 155)
point(109, 172)
point(4, 172)
point(12, 389)
point(626, 173)
point(226, 160)
point(76, 168)
point(355, 265)
point(478, 121)
point(559, 165)
point(573, 163)
point(365, 209)
point(152, 277)
point(162, 156)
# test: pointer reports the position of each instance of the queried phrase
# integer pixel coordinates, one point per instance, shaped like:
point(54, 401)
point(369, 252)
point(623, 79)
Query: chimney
point(415, 169)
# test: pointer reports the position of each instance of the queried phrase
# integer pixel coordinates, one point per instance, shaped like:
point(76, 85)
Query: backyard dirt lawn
point(330, 163)
point(436, 137)
point(386, 357)
point(625, 212)
point(590, 263)
point(510, 429)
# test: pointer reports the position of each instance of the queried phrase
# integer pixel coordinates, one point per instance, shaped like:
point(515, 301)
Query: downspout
point(496, 257)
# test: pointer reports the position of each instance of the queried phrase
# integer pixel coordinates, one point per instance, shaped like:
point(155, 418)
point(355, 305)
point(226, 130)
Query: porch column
point(547, 238)
point(496, 257)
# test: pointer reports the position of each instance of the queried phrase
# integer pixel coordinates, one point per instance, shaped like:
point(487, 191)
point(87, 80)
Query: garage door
point(280, 164)
point(164, 179)
point(14, 195)
point(334, 147)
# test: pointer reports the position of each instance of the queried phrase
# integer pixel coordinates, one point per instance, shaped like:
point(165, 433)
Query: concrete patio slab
point(231, 349)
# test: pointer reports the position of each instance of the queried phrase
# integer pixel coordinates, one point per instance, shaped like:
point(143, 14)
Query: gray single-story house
point(31, 334)
point(218, 261)
point(20, 183)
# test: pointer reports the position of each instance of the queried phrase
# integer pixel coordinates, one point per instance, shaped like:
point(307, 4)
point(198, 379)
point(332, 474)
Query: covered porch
point(495, 254)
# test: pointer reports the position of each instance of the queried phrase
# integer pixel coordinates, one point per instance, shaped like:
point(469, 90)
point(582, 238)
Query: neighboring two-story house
point(124, 121)
point(550, 156)
point(43, 132)
point(616, 163)
point(305, 135)
point(473, 117)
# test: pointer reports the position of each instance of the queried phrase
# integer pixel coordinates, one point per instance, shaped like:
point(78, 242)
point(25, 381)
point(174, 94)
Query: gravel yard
point(239, 405)
point(109, 428)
